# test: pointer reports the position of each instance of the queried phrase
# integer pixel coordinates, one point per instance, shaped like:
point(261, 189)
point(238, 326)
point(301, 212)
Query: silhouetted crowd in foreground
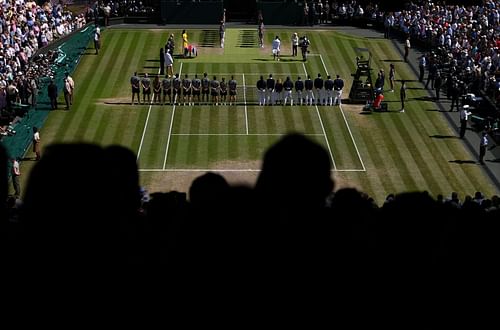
point(83, 207)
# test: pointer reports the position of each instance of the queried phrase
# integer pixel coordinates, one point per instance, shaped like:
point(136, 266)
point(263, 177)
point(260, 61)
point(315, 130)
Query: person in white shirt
point(97, 39)
point(169, 63)
point(483, 144)
point(295, 44)
point(464, 117)
point(276, 48)
point(16, 173)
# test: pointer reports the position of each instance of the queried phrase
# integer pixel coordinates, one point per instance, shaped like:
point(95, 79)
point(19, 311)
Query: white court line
point(238, 134)
point(146, 123)
point(347, 124)
point(352, 138)
point(323, 128)
point(245, 100)
point(321, 58)
point(171, 125)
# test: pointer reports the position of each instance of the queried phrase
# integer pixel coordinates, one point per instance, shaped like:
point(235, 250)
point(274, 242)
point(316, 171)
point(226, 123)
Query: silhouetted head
point(208, 191)
point(295, 173)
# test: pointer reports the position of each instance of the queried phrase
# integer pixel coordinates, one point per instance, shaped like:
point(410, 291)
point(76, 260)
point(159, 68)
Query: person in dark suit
point(402, 94)
point(162, 62)
point(52, 93)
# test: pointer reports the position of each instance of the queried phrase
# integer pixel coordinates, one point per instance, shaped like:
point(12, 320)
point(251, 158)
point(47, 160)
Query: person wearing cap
point(464, 117)
point(295, 44)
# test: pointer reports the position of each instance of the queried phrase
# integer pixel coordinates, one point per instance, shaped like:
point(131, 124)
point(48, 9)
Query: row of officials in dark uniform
point(184, 91)
point(308, 92)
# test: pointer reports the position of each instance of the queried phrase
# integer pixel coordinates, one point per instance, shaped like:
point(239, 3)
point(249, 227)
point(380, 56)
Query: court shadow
point(424, 98)
point(438, 136)
point(151, 67)
point(434, 110)
point(461, 161)
point(123, 103)
point(389, 60)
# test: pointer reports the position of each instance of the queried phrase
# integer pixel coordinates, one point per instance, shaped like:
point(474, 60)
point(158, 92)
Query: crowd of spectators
point(461, 42)
point(25, 27)
point(122, 8)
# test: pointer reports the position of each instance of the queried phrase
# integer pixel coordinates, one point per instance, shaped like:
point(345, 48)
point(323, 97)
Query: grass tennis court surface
point(379, 153)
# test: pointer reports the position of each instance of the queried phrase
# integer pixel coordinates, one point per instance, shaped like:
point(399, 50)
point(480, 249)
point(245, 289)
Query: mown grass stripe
point(84, 122)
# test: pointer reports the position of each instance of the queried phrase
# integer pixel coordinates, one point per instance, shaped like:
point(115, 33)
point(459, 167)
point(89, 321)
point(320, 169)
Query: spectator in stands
point(291, 190)
point(33, 85)
point(107, 13)
point(3, 187)
point(388, 24)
